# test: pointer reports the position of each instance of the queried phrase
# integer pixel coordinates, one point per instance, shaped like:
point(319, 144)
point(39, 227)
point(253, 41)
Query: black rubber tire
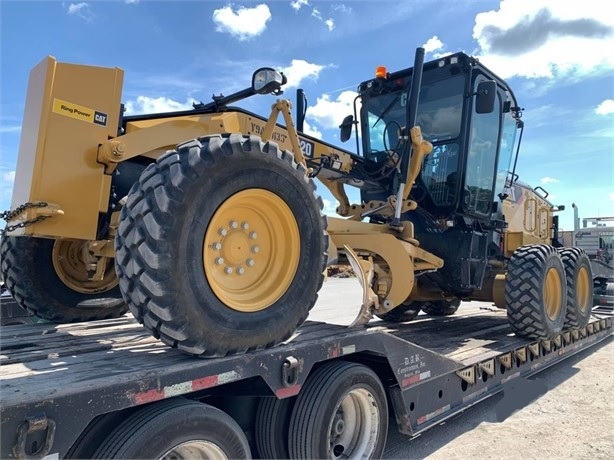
point(26, 266)
point(157, 428)
point(98, 429)
point(575, 261)
point(159, 245)
point(271, 427)
point(318, 404)
point(525, 289)
point(402, 314)
point(441, 307)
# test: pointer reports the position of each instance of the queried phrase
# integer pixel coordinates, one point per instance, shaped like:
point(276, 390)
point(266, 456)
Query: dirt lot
point(574, 419)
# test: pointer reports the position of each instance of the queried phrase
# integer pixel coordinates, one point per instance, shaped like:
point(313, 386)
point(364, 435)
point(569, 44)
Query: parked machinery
point(206, 223)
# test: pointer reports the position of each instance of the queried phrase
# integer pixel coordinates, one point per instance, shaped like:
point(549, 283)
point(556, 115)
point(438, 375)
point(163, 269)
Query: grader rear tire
point(536, 292)
point(579, 277)
point(221, 246)
point(441, 307)
point(49, 278)
point(402, 314)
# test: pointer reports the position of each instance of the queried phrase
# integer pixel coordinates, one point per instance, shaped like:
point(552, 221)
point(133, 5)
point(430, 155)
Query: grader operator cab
point(206, 223)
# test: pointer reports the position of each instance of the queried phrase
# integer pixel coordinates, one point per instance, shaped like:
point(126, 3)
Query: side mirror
point(485, 97)
point(346, 128)
point(268, 81)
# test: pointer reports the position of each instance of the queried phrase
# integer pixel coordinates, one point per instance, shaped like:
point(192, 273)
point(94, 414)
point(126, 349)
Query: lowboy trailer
point(107, 389)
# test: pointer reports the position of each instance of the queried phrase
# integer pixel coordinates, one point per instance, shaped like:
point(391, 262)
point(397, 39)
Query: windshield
point(439, 114)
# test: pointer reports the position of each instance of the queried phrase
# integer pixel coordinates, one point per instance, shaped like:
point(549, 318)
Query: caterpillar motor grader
point(206, 223)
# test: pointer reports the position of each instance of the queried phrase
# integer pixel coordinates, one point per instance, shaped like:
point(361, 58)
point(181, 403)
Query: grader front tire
point(536, 292)
point(221, 246)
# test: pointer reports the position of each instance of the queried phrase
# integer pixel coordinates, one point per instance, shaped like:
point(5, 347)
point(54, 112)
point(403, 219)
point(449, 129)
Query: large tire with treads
point(341, 412)
point(403, 313)
point(49, 278)
point(579, 278)
point(441, 307)
point(175, 428)
point(536, 292)
point(221, 246)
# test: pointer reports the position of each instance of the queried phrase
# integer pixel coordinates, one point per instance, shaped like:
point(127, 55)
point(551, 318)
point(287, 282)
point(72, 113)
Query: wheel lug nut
point(250, 262)
point(219, 261)
point(240, 271)
point(255, 249)
point(244, 225)
point(223, 231)
point(253, 235)
point(228, 270)
point(216, 246)
point(233, 224)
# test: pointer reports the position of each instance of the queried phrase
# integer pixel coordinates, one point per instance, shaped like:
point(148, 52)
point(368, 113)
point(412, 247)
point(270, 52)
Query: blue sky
point(557, 56)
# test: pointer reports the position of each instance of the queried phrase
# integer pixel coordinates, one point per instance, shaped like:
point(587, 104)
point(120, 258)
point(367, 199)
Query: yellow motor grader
point(206, 223)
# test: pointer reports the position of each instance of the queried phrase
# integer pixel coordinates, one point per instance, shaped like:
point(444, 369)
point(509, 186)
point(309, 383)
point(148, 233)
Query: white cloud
point(330, 24)
point(297, 4)
point(299, 70)
point(80, 9)
point(131, 2)
point(605, 108)
point(433, 44)
point(8, 177)
point(244, 23)
point(144, 104)
point(311, 130)
point(340, 7)
point(546, 39)
point(330, 113)
point(548, 180)
point(611, 196)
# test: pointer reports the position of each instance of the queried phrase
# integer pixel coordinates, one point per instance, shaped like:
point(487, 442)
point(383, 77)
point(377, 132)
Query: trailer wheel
point(176, 428)
point(441, 307)
point(271, 427)
point(402, 314)
point(578, 273)
point(341, 412)
point(49, 278)
point(221, 246)
point(536, 292)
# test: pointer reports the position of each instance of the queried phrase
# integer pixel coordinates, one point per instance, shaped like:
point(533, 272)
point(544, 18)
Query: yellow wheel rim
point(71, 261)
point(251, 250)
point(553, 294)
point(583, 290)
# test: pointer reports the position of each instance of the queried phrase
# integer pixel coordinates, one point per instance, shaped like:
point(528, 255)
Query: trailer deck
point(433, 367)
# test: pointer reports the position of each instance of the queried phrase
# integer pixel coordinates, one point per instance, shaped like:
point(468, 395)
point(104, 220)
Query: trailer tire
point(176, 428)
point(341, 411)
point(536, 292)
point(271, 427)
point(221, 246)
point(579, 277)
point(402, 314)
point(441, 307)
point(47, 278)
